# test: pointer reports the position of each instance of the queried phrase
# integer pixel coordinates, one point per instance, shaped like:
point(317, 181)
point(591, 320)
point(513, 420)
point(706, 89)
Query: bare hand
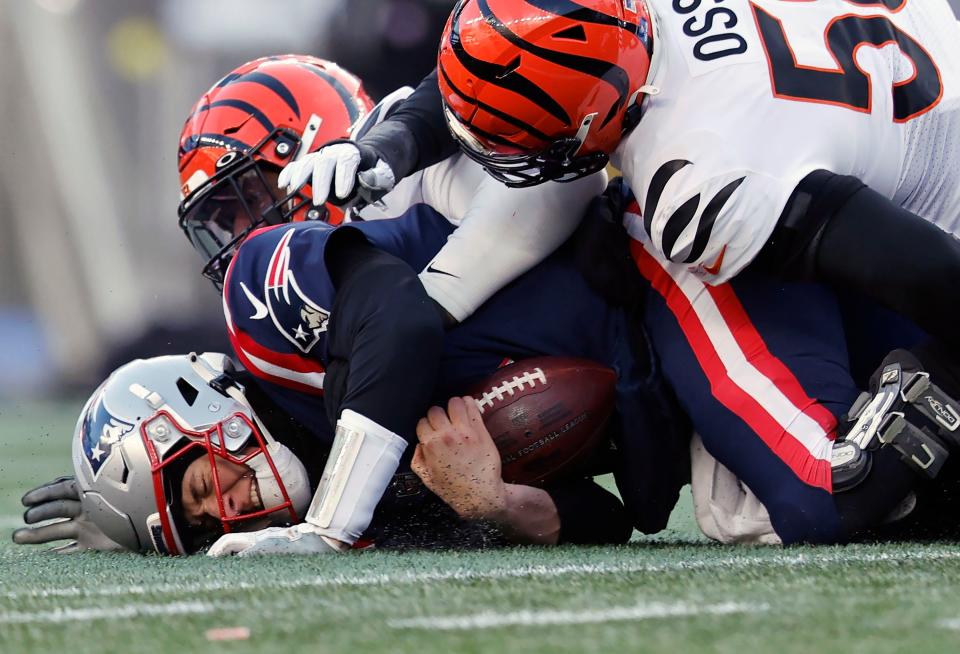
point(457, 459)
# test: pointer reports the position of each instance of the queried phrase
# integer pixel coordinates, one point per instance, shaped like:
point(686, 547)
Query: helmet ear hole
point(187, 390)
point(575, 33)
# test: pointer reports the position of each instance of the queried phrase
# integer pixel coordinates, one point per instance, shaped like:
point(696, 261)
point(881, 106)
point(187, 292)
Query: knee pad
point(906, 412)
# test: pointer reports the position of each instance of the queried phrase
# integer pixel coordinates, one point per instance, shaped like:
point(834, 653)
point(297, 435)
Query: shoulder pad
point(277, 289)
point(702, 208)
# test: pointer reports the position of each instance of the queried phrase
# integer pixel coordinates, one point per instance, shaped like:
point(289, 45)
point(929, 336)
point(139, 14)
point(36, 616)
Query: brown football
point(546, 415)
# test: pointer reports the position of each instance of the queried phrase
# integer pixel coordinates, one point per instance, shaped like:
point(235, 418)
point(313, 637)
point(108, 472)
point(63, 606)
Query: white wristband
point(364, 457)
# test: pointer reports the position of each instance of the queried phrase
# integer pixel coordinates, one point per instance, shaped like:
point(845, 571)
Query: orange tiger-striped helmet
point(242, 132)
point(538, 90)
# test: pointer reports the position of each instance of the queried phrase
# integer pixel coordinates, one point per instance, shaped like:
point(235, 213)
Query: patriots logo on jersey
point(100, 432)
point(301, 320)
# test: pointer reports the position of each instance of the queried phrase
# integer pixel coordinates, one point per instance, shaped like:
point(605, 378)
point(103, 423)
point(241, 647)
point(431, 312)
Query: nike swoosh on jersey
point(260, 309)
point(431, 269)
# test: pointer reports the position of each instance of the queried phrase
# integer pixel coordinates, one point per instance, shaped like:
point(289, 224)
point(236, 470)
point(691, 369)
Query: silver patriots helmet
point(146, 423)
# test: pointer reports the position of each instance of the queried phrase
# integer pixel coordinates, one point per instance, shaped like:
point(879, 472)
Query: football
point(546, 415)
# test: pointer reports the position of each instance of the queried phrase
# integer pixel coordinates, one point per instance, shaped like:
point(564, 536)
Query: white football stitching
point(510, 387)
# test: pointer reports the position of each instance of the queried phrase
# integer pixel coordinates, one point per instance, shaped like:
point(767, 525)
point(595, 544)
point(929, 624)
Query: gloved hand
point(303, 538)
point(358, 174)
point(60, 499)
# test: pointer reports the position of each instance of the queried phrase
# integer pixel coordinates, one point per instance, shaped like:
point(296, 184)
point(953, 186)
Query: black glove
point(60, 500)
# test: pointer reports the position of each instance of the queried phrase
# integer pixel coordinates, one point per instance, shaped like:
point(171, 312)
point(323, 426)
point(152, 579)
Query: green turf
point(675, 593)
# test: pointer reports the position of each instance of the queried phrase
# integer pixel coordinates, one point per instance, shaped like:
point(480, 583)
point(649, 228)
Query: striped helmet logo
point(678, 221)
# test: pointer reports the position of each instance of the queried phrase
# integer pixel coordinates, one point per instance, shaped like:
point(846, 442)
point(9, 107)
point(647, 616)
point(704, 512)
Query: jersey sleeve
point(502, 233)
point(589, 514)
point(277, 299)
point(415, 136)
point(385, 338)
point(407, 191)
point(383, 110)
point(700, 207)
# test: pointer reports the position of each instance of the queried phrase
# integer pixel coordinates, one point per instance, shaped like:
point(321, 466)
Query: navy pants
point(764, 369)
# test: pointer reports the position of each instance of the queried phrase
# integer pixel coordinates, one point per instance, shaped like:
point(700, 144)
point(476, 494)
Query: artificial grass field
point(674, 593)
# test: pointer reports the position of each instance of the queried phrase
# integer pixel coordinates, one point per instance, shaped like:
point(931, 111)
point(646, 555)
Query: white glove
point(60, 499)
point(298, 539)
point(357, 173)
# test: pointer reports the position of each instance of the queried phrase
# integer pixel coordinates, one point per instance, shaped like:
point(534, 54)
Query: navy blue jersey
point(278, 295)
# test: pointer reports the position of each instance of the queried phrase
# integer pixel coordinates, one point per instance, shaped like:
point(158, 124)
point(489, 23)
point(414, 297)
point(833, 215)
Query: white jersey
point(501, 232)
point(755, 95)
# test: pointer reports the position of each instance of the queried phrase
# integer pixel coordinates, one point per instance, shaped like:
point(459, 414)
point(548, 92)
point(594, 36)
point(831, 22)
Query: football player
point(226, 197)
point(752, 132)
point(128, 464)
point(301, 320)
point(814, 139)
point(794, 365)
point(767, 372)
point(384, 364)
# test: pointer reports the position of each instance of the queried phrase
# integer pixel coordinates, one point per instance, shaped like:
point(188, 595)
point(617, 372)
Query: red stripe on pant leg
point(809, 469)
point(753, 345)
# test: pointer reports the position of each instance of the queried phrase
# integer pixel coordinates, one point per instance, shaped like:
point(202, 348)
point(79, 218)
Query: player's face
point(231, 207)
point(229, 212)
point(238, 486)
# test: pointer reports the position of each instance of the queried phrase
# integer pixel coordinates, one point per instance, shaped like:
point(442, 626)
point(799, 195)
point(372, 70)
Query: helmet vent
point(188, 391)
point(575, 33)
point(509, 68)
point(124, 474)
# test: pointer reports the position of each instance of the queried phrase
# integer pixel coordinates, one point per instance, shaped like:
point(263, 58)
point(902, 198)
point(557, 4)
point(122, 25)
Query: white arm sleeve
point(503, 232)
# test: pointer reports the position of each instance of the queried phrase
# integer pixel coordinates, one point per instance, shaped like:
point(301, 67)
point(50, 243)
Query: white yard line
point(111, 613)
point(550, 617)
point(837, 557)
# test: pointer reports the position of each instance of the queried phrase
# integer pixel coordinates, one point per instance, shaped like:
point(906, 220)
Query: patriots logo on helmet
point(301, 320)
point(100, 432)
